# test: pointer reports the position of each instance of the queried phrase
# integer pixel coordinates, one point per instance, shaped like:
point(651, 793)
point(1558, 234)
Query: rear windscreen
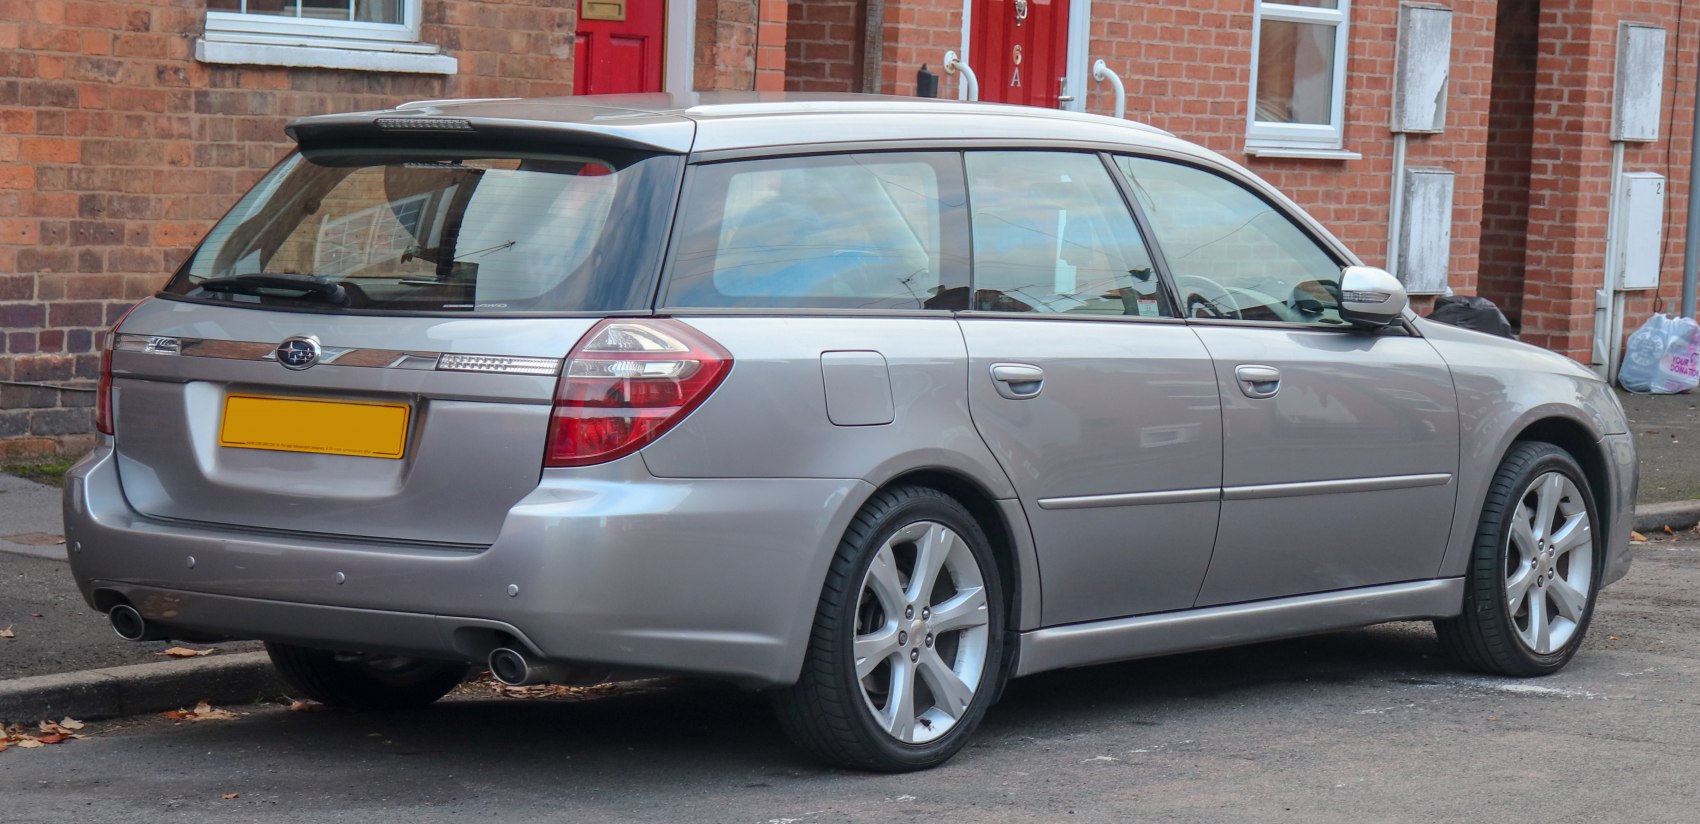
point(442, 234)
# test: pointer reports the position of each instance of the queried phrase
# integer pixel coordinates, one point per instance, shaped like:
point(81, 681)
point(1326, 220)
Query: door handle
point(1258, 381)
point(1018, 381)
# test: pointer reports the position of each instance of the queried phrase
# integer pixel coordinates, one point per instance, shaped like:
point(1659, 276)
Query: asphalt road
point(1370, 725)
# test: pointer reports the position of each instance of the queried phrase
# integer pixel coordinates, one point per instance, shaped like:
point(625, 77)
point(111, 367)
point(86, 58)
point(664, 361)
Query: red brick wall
point(1511, 132)
point(1669, 156)
point(1571, 163)
point(740, 45)
point(118, 150)
point(823, 47)
point(917, 34)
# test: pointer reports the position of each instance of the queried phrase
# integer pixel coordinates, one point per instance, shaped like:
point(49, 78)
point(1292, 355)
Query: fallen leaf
point(71, 723)
point(178, 715)
point(1637, 537)
point(1613, 638)
point(1668, 530)
point(35, 615)
point(1493, 718)
point(53, 738)
point(7, 632)
point(205, 712)
point(306, 706)
point(185, 652)
point(229, 796)
point(30, 744)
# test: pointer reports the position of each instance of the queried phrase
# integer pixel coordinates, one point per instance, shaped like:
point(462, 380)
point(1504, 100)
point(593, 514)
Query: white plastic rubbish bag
point(1662, 357)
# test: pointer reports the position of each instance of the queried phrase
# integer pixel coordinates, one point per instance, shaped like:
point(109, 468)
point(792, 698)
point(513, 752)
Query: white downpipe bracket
point(969, 88)
point(1101, 74)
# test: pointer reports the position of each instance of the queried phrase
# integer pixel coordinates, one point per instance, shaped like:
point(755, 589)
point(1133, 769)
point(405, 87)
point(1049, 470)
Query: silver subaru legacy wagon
point(873, 403)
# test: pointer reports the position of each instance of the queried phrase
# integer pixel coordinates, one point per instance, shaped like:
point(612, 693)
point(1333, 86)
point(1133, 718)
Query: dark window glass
point(859, 231)
point(1231, 253)
point(1052, 234)
point(442, 234)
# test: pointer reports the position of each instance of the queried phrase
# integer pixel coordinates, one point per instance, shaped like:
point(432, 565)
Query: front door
point(1100, 404)
point(1340, 446)
point(618, 49)
point(1018, 50)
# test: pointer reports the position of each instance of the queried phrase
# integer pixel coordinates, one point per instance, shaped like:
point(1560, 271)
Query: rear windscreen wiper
point(311, 287)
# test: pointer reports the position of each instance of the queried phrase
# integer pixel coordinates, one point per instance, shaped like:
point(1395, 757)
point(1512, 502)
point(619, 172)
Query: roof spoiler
point(432, 128)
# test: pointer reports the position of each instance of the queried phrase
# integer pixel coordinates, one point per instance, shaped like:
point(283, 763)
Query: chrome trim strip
point(344, 356)
point(1177, 496)
point(1259, 491)
point(1121, 639)
point(1247, 493)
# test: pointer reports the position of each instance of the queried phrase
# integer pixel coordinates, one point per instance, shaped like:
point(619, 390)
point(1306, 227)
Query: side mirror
point(1371, 297)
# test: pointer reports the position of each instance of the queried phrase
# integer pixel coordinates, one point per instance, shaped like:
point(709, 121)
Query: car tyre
point(358, 681)
point(906, 653)
point(1534, 571)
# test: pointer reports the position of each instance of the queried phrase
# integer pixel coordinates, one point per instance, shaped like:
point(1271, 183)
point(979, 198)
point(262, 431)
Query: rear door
point(368, 344)
point(1341, 445)
point(1099, 402)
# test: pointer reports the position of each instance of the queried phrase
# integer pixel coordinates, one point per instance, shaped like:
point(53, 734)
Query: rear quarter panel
point(770, 418)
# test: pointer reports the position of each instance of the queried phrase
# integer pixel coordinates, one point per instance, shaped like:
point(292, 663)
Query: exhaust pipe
point(515, 669)
point(130, 625)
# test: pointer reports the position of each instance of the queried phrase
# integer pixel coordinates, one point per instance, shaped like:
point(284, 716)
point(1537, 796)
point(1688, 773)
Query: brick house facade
point(127, 127)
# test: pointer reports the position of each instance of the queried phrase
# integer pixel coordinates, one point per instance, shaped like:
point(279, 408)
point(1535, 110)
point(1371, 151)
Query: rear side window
point(1053, 235)
point(433, 233)
point(1232, 254)
point(853, 231)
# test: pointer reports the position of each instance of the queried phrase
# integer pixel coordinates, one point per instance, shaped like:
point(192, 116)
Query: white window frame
point(276, 40)
point(1300, 139)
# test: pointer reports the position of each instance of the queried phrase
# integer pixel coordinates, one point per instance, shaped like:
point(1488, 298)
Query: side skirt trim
point(1143, 636)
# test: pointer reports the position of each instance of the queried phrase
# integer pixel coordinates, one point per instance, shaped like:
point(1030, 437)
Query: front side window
point(1231, 253)
point(436, 233)
point(1298, 78)
point(1053, 235)
point(854, 231)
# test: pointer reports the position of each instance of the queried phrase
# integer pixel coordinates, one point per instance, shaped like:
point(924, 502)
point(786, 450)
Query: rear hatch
point(368, 345)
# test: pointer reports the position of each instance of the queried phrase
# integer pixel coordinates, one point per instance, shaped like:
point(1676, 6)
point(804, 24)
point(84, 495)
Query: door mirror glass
point(1370, 296)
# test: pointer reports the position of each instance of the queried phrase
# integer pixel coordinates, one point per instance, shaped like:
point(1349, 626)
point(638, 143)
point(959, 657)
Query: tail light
point(625, 384)
point(103, 396)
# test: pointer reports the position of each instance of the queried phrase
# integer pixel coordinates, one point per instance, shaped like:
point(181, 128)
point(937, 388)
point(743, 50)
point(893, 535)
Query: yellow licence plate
point(372, 430)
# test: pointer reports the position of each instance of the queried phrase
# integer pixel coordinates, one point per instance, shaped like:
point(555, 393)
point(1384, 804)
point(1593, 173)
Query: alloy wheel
point(1549, 563)
point(921, 632)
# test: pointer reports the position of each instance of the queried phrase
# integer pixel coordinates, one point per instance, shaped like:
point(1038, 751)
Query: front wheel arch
point(1582, 445)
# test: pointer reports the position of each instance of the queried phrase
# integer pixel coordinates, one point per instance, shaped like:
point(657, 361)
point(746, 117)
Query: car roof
point(721, 121)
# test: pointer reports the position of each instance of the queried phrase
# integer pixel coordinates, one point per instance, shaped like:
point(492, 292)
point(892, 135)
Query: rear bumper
point(603, 566)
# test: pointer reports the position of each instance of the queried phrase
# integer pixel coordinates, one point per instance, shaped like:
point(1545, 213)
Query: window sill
point(1291, 153)
point(379, 57)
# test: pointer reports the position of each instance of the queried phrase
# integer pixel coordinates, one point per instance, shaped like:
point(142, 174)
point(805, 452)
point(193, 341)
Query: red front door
point(618, 47)
point(1018, 50)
